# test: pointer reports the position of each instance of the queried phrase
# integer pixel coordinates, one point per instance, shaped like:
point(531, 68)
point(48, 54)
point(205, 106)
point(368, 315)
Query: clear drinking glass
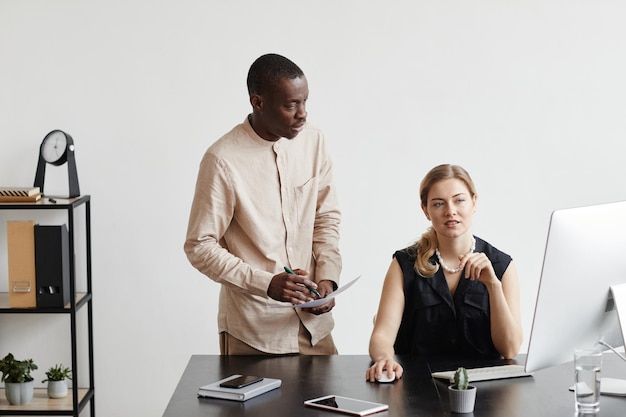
point(587, 364)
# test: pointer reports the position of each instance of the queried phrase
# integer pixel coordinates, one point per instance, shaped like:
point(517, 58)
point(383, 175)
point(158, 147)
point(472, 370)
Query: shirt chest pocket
point(431, 310)
point(476, 303)
point(427, 299)
point(305, 197)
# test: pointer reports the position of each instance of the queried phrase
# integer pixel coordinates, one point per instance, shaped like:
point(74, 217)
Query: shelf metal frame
point(80, 397)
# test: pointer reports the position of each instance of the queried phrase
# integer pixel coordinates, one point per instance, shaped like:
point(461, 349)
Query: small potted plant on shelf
point(18, 383)
point(56, 379)
point(462, 395)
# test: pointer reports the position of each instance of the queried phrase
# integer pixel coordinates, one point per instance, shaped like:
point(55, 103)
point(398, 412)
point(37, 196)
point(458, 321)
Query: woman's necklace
point(446, 267)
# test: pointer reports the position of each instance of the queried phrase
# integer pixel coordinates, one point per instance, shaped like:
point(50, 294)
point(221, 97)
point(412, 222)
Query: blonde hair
point(425, 247)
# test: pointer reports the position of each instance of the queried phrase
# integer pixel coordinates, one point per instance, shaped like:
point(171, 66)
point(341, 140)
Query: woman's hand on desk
point(385, 365)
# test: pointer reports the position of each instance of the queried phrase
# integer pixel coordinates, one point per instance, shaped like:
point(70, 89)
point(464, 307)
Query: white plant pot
point(57, 389)
point(462, 401)
point(19, 393)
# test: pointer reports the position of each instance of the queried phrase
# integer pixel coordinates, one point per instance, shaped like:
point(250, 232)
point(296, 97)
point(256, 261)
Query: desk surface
point(416, 394)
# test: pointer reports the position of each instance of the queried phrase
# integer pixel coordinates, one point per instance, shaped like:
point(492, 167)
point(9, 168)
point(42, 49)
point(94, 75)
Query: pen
point(313, 290)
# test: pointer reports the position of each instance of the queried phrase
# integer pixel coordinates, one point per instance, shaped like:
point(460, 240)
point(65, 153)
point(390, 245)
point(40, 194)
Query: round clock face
point(54, 147)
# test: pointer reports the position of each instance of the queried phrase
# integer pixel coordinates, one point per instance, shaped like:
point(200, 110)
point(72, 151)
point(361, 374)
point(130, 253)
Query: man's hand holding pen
point(311, 288)
point(294, 287)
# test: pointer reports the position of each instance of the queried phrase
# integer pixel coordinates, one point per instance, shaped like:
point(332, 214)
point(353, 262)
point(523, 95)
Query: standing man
point(265, 200)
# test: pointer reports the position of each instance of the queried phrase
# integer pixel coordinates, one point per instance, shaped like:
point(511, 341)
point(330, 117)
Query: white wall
point(527, 95)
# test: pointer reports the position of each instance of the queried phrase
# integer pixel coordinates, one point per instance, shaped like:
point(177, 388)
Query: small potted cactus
point(462, 395)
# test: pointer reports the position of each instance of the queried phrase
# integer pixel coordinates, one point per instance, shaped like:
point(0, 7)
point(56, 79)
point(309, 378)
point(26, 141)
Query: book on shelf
point(19, 191)
point(19, 194)
point(20, 199)
point(214, 390)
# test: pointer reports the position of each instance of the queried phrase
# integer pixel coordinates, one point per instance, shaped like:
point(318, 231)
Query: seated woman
point(450, 293)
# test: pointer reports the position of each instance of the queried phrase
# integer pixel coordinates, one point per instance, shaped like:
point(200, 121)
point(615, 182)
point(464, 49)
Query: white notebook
point(214, 390)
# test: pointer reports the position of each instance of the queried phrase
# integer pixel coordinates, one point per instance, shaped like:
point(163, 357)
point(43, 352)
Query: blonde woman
point(450, 293)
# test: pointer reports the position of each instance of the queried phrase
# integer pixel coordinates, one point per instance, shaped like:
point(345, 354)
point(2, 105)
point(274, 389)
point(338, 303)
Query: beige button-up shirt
point(260, 206)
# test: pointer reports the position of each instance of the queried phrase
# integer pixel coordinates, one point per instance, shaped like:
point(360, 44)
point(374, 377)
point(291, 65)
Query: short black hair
point(268, 69)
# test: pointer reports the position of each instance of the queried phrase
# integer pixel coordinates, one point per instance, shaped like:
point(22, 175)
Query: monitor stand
point(612, 386)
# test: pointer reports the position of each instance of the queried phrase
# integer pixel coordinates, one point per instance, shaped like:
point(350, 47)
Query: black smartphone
point(241, 381)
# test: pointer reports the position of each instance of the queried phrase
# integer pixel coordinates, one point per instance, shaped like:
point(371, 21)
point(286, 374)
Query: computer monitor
point(585, 256)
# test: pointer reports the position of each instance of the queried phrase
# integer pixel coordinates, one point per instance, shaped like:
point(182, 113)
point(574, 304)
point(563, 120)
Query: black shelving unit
point(79, 397)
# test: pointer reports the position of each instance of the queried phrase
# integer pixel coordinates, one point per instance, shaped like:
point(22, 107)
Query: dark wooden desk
point(416, 394)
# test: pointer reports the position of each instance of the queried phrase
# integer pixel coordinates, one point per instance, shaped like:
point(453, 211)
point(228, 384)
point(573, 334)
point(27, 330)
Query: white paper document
point(320, 301)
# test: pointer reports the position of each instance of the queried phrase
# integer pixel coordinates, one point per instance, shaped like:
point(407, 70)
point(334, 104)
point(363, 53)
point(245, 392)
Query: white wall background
point(528, 95)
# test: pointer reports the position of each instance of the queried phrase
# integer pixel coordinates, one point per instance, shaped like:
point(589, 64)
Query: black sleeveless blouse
point(435, 323)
